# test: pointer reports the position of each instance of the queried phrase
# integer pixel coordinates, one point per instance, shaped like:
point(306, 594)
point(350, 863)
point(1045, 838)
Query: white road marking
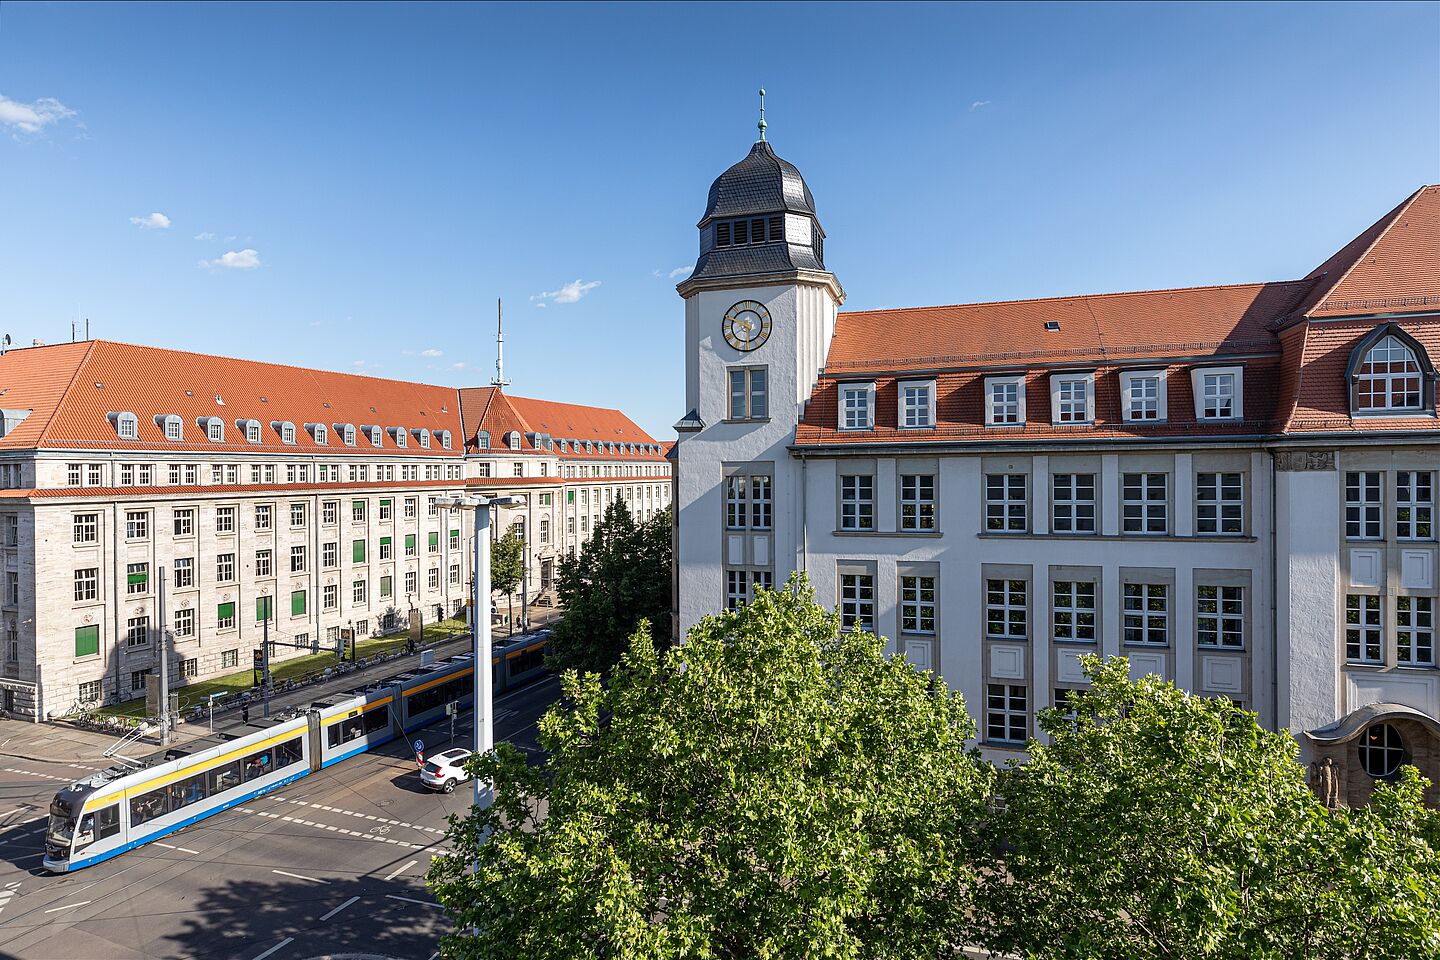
point(69, 906)
point(170, 846)
point(274, 948)
point(338, 909)
point(423, 903)
point(298, 876)
point(32, 773)
point(342, 831)
point(401, 870)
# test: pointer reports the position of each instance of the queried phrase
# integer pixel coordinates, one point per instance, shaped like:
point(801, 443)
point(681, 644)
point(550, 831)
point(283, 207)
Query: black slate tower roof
point(762, 186)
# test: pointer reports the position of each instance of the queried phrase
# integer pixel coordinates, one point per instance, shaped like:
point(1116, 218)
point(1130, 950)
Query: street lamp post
point(480, 628)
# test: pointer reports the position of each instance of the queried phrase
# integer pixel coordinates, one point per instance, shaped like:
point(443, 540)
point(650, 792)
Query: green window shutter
point(385, 504)
point(409, 541)
point(384, 541)
point(434, 540)
point(385, 587)
point(87, 641)
point(569, 496)
point(359, 551)
point(225, 611)
point(262, 609)
point(454, 534)
point(357, 504)
point(134, 578)
point(297, 603)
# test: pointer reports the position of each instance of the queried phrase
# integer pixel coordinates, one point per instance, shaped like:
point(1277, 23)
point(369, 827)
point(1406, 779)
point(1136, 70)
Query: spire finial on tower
point(500, 380)
point(761, 124)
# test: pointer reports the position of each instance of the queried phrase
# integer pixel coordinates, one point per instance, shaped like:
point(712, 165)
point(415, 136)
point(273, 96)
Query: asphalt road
point(332, 866)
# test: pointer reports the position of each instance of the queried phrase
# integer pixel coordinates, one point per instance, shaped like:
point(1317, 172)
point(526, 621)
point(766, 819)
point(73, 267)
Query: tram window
point(224, 777)
point(531, 659)
point(377, 721)
point(452, 689)
point(107, 821)
point(290, 752)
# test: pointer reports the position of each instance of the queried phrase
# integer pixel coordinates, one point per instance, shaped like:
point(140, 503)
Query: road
point(331, 866)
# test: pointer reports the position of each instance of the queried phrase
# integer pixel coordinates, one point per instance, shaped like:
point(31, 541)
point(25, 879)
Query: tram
point(118, 809)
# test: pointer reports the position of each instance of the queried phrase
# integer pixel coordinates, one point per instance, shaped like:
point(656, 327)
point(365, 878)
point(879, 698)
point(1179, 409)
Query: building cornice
point(815, 278)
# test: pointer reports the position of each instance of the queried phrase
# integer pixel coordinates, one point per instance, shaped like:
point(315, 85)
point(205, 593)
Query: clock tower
point(759, 315)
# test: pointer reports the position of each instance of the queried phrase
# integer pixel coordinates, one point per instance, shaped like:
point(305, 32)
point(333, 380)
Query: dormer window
point(917, 404)
point(347, 434)
point(1072, 398)
point(321, 433)
point(127, 426)
point(512, 440)
point(424, 436)
point(287, 432)
point(1005, 401)
point(174, 428)
point(252, 430)
point(401, 440)
point(1390, 372)
point(857, 406)
point(482, 440)
point(377, 437)
point(749, 230)
point(1219, 393)
point(1142, 396)
point(214, 429)
point(445, 439)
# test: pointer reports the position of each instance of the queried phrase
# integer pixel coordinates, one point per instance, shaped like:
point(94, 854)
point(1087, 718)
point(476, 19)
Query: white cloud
point(155, 221)
point(207, 235)
point(976, 105)
point(458, 365)
point(681, 271)
point(432, 352)
point(569, 293)
point(246, 259)
point(32, 117)
point(365, 365)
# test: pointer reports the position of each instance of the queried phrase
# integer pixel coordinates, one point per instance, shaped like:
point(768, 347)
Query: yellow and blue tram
point(113, 811)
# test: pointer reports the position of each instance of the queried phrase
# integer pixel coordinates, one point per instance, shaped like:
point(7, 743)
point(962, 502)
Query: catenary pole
point(480, 629)
point(164, 666)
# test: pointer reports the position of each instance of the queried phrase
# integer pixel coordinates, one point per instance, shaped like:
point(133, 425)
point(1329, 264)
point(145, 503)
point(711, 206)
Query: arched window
point(252, 430)
point(401, 438)
point(1390, 372)
point(377, 437)
point(482, 440)
point(321, 434)
point(174, 427)
point(287, 432)
point(513, 439)
point(445, 439)
point(347, 434)
point(214, 429)
point(424, 436)
point(127, 425)
point(1382, 751)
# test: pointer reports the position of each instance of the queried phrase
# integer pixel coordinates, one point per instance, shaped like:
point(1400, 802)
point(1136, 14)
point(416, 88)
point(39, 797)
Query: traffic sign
point(419, 746)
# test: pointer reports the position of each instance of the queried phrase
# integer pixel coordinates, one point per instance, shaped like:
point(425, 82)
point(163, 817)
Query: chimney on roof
point(37, 342)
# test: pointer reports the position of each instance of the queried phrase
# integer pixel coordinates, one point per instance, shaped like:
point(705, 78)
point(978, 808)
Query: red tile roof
point(72, 389)
point(1322, 397)
point(1392, 268)
point(493, 410)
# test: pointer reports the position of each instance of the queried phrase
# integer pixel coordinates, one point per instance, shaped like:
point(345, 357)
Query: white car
point(445, 769)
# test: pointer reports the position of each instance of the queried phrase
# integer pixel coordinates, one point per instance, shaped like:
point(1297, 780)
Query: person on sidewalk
point(245, 713)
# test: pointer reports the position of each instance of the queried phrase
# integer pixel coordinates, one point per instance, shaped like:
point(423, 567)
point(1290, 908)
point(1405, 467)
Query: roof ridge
point(65, 394)
point(1394, 216)
point(1076, 296)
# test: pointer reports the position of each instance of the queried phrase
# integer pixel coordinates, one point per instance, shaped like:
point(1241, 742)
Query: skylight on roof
point(1053, 326)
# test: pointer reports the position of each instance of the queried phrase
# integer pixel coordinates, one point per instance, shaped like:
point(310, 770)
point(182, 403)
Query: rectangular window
point(357, 510)
point(386, 509)
point(454, 573)
point(145, 474)
point(229, 659)
point(262, 516)
point(917, 605)
point(264, 610)
point(1363, 631)
point(1006, 617)
point(225, 616)
point(1147, 613)
point(1005, 401)
point(857, 502)
point(87, 584)
point(434, 541)
point(749, 393)
point(1220, 617)
point(1415, 631)
point(735, 512)
point(184, 621)
point(137, 525)
point(72, 475)
point(1219, 503)
point(917, 405)
point(137, 679)
point(386, 548)
point(432, 505)
point(761, 580)
point(87, 528)
point(184, 523)
point(1362, 505)
point(432, 578)
point(225, 568)
point(184, 572)
point(410, 507)
point(329, 512)
point(1072, 503)
point(263, 565)
point(1145, 504)
point(735, 589)
point(1143, 396)
point(94, 474)
point(761, 503)
point(358, 591)
point(1218, 394)
point(192, 474)
point(856, 406)
point(917, 501)
point(330, 596)
point(225, 520)
point(1005, 713)
point(387, 588)
point(357, 551)
point(1073, 610)
point(1071, 398)
point(127, 474)
point(857, 601)
point(411, 579)
point(1414, 505)
point(455, 539)
point(190, 668)
point(137, 579)
point(329, 555)
point(297, 514)
point(87, 642)
point(1005, 503)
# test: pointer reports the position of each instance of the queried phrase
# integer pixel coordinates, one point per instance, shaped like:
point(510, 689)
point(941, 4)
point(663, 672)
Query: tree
point(1159, 824)
point(620, 578)
point(774, 787)
point(507, 568)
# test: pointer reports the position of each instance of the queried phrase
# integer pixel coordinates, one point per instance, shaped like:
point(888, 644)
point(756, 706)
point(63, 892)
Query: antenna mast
point(500, 380)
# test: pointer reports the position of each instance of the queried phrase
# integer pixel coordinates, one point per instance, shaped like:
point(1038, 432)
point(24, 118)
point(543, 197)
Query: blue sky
point(392, 170)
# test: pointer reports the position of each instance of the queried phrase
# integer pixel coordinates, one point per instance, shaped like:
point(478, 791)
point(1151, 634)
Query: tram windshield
point(62, 823)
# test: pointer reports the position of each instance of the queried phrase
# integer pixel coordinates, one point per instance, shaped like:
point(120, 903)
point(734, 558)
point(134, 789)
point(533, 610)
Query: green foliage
point(507, 562)
point(1159, 824)
point(620, 579)
point(774, 787)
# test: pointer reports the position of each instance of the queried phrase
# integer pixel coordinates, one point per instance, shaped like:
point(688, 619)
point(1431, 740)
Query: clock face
point(747, 325)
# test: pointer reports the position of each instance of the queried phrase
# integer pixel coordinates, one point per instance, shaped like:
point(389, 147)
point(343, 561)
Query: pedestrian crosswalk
point(7, 892)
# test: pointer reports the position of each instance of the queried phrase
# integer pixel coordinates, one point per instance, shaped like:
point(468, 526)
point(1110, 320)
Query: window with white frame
point(1388, 378)
point(174, 428)
point(1220, 616)
point(1005, 713)
point(1004, 401)
point(1363, 497)
point(1072, 504)
point(215, 430)
point(252, 431)
point(857, 406)
point(857, 502)
point(1218, 393)
point(128, 426)
point(184, 621)
point(1414, 505)
point(1147, 613)
point(225, 568)
point(1145, 504)
point(1219, 503)
point(857, 601)
point(1415, 631)
point(86, 528)
point(917, 501)
point(761, 502)
point(224, 519)
point(749, 393)
point(917, 604)
point(1072, 611)
point(735, 512)
point(137, 525)
point(330, 596)
point(735, 589)
point(1072, 398)
point(184, 572)
point(1142, 395)
point(137, 631)
point(1006, 611)
point(87, 584)
point(1005, 503)
point(1363, 628)
point(917, 404)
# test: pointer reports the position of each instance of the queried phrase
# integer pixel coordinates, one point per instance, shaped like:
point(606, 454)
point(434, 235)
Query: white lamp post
point(480, 627)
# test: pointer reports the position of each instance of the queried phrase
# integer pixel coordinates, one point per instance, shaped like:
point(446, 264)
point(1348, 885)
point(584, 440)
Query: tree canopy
point(620, 578)
point(507, 562)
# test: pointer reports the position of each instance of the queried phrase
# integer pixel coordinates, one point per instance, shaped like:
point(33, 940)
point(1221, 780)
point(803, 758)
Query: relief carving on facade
point(1294, 461)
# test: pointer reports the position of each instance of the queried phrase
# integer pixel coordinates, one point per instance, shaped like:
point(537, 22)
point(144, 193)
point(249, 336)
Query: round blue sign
point(419, 746)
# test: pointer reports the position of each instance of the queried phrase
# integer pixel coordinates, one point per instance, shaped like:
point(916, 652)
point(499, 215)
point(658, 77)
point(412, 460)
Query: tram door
point(314, 738)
